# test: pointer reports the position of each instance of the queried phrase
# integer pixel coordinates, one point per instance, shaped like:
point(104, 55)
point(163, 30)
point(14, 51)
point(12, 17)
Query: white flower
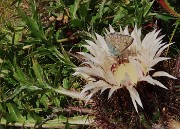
point(132, 66)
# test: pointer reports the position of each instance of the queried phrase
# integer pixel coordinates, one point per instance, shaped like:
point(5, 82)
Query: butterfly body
point(117, 42)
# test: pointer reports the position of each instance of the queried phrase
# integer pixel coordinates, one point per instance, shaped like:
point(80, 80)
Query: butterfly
point(117, 42)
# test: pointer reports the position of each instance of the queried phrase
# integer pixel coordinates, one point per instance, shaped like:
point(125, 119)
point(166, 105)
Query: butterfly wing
point(117, 43)
point(123, 42)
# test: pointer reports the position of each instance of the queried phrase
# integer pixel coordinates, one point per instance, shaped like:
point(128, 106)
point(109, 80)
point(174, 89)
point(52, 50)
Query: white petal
point(142, 59)
point(138, 31)
point(92, 45)
point(157, 33)
point(90, 48)
point(111, 29)
point(137, 39)
point(89, 86)
point(104, 88)
point(106, 31)
point(121, 31)
point(158, 59)
point(91, 94)
point(154, 49)
point(150, 40)
point(98, 71)
point(127, 78)
point(83, 70)
point(126, 31)
point(148, 79)
point(153, 32)
point(114, 88)
point(159, 84)
point(162, 73)
point(160, 38)
point(150, 69)
point(84, 76)
point(153, 81)
point(99, 84)
point(158, 41)
point(137, 66)
point(145, 42)
point(134, 103)
point(89, 57)
point(91, 71)
point(101, 42)
point(86, 46)
point(160, 51)
point(134, 96)
point(90, 42)
point(76, 73)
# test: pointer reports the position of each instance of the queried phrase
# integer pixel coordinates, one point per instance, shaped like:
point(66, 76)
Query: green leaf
point(60, 3)
point(65, 83)
point(84, 10)
point(67, 58)
point(20, 76)
point(2, 35)
point(38, 72)
point(101, 7)
point(35, 116)
point(19, 90)
point(74, 8)
point(165, 17)
point(147, 8)
point(33, 25)
point(77, 23)
point(1, 108)
point(33, 8)
point(30, 22)
point(63, 58)
point(120, 14)
point(11, 80)
point(44, 101)
point(14, 113)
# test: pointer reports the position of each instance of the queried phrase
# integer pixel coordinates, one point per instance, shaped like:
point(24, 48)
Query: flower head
point(113, 66)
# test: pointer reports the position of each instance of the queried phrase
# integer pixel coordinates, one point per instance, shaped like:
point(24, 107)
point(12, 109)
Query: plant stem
point(172, 35)
point(59, 123)
point(168, 8)
point(66, 39)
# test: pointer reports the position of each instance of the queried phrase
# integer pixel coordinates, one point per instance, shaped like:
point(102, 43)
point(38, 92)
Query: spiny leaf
point(20, 76)
point(14, 113)
point(19, 90)
point(38, 72)
point(101, 8)
point(147, 8)
point(74, 8)
point(33, 25)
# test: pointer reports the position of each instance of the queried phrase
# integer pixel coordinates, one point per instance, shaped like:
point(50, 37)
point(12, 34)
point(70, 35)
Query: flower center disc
point(124, 69)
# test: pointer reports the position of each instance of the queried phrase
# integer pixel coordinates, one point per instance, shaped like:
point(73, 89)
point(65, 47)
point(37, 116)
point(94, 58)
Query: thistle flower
point(122, 62)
